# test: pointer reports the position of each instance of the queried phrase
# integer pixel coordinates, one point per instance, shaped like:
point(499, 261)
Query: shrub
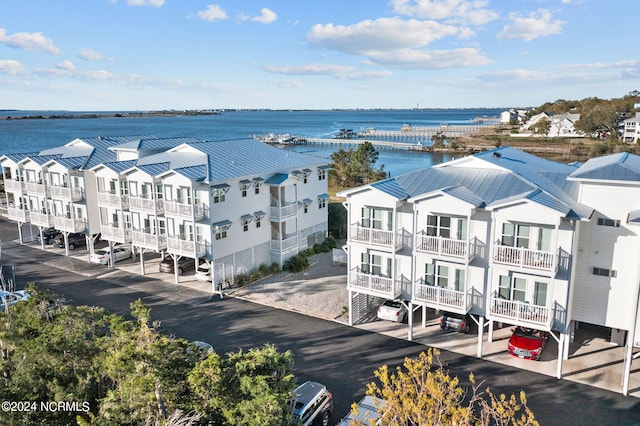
point(264, 270)
point(274, 268)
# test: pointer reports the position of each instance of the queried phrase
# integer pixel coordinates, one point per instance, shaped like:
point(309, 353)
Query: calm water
point(36, 134)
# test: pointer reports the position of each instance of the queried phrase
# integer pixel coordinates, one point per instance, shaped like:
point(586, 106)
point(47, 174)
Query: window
point(258, 221)
point(605, 272)
point(244, 187)
point(436, 275)
point(459, 280)
point(245, 226)
point(219, 195)
point(245, 219)
point(375, 218)
point(257, 182)
point(544, 239)
point(322, 174)
point(372, 264)
point(540, 294)
point(322, 202)
point(512, 289)
point(514, 235)
point(608, 222)
point(439, 226)
point(221, 233)
point(305, 208)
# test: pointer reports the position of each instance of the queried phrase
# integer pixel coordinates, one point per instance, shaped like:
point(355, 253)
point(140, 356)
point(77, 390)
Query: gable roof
point(618, 167)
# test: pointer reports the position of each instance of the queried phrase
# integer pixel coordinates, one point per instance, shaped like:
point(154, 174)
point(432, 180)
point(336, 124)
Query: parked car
point(48, 234)
point(392, 310)
point(369, 411)
point(75, 240)
point(102, 256)
point(205, 347)
point(184, 264)
point(312, 405)
point(10, 298)
point(454, 322)
point(527, 343)
point(203, 272)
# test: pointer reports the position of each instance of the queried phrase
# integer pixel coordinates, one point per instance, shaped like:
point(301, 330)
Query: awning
point(307, 201)
point(222, 224)
point(246, 218)
point(244, 184)
point(222, 187)
point(634, 217)
point(277, 179)
point(259, 214)
point(323, 196)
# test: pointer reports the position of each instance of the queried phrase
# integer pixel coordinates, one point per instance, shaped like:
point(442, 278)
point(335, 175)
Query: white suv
point(312, 405)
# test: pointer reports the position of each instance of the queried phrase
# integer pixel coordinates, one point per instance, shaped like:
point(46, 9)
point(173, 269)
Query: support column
point(480, 335)
point(490, 337)
point(561, 343)
point(410, 313)
point(350, 308)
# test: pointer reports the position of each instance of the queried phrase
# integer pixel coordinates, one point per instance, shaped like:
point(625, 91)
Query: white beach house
point(235, 204)
point(505, 237)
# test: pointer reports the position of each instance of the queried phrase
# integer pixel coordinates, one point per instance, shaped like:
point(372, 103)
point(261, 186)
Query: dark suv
point(48, 234)
point(75, 240)
point(312, 405)
point(455, 322)
point(184, 264)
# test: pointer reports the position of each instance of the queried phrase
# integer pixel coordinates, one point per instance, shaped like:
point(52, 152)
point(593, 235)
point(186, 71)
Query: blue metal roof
point(155, 168)
point(277, 179)
point(120, 166)
point(391, 187)
point(621, 167)
point(196, 173)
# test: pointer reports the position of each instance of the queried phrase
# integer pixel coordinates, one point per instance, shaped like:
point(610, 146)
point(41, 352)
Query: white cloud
point(66, 66)
point(28, 41)
point(537, 24)
point(266, 16)
point(154, 3)
point(364, 75)
point(11, 67)
point(385, 34)
point(91, 55)
point(211, 13)
point(431, 59)
point(308, 69)
point(287, 84)
point(470, 12)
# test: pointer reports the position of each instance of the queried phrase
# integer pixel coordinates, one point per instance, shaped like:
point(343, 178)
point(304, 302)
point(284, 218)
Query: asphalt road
point(342, 357)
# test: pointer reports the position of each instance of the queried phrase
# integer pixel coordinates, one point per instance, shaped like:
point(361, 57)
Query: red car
point(527, 343)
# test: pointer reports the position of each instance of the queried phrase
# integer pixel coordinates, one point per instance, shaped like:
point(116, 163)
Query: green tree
point(421, 392)
point(355, 167)
point(541, 127)
point(245, 388)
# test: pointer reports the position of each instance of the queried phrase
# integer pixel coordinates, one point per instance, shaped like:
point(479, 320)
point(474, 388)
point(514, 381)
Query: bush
point(274, 268)
point(297, 263)
point(264, 270)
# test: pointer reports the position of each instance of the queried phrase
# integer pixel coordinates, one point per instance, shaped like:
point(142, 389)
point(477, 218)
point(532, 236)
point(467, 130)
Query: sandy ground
point(320, 290)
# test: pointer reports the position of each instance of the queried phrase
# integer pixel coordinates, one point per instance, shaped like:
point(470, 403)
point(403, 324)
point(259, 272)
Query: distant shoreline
point(93, 115)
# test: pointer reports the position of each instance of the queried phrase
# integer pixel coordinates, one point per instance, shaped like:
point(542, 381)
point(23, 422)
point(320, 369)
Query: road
point(342, 357)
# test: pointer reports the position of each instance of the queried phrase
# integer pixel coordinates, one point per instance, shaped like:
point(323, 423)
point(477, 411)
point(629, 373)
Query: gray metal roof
point(621, 167)
point(195, 173)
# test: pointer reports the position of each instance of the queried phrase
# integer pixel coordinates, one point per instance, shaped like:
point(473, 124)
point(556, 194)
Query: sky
point(123, 55)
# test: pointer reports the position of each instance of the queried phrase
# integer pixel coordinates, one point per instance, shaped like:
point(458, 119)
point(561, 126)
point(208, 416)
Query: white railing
point(112, 233)
point(148, 240)
point(115, 200)
point(187, 248)
point(372, 284)
point(521, 313)
point(146, 204)
point(281, 212)
point(443, 246)
point(195, 212)
point(69, 225)
point(75, 194)
point(35, 188)
point(41, 219)
point(519, 256)
point(13, 185)
point(439, 297)
point(373, 236)
point(20, 215)
point(288, 242)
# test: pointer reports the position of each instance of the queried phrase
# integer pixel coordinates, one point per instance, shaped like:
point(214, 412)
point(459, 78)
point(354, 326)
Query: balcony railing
point(13, 185)
point(374, 285)
point(194, 249)
point(148, 240)
point(17, 214)
point(377, 237)
point(524, 258)
point(284, 211)
point(521, 313)
point(113, 200)
point(41, 219)
point(113, 233)
point(65, 224)
point(148, 205)
point(174, 208)
point(289, 241)
point(444, 246)
point(66, 193)
point(441, 298)
point(36, 188)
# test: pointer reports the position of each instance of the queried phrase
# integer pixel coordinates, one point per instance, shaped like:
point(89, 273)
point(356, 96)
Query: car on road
point(203, 272)
point(392, 310)
point(48, 234)
point(527, 343)
point(75, 240)
point(103, 256)
point(312, 405)
point(184, 264)
point(10, 298)
point(454, 322)
point(368, 412)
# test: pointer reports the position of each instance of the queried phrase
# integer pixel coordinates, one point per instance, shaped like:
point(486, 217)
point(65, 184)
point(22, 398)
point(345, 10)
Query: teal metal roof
point(277, 179)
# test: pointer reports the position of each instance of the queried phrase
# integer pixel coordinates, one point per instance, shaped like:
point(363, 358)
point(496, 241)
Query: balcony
point(66, 224)
point(447, 247)
point(147, 205)
point(193, 249)
point(288, 242)
point(36, 188)
point(377, 237)
point(113, 200)
point(41, 219)
point(282, 212)
point(441, 298)
point(524, 258)
point(66, 193)
point(113, 233)
point(374, 285)
point(149, 240)
point(13, 185)
point(189, 211)
point(18, 214)
point(521, 313)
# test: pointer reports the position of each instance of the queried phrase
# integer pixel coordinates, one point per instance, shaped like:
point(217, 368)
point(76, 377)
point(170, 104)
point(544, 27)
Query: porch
point(521, 313)
point(374, 285)
point(377, 237)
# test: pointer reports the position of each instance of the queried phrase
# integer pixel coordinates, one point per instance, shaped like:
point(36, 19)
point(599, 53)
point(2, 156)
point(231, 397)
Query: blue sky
point(100, 55)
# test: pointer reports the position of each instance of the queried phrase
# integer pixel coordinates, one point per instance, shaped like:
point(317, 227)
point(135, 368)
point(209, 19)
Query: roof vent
point(497, 154)
point(233, 162)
